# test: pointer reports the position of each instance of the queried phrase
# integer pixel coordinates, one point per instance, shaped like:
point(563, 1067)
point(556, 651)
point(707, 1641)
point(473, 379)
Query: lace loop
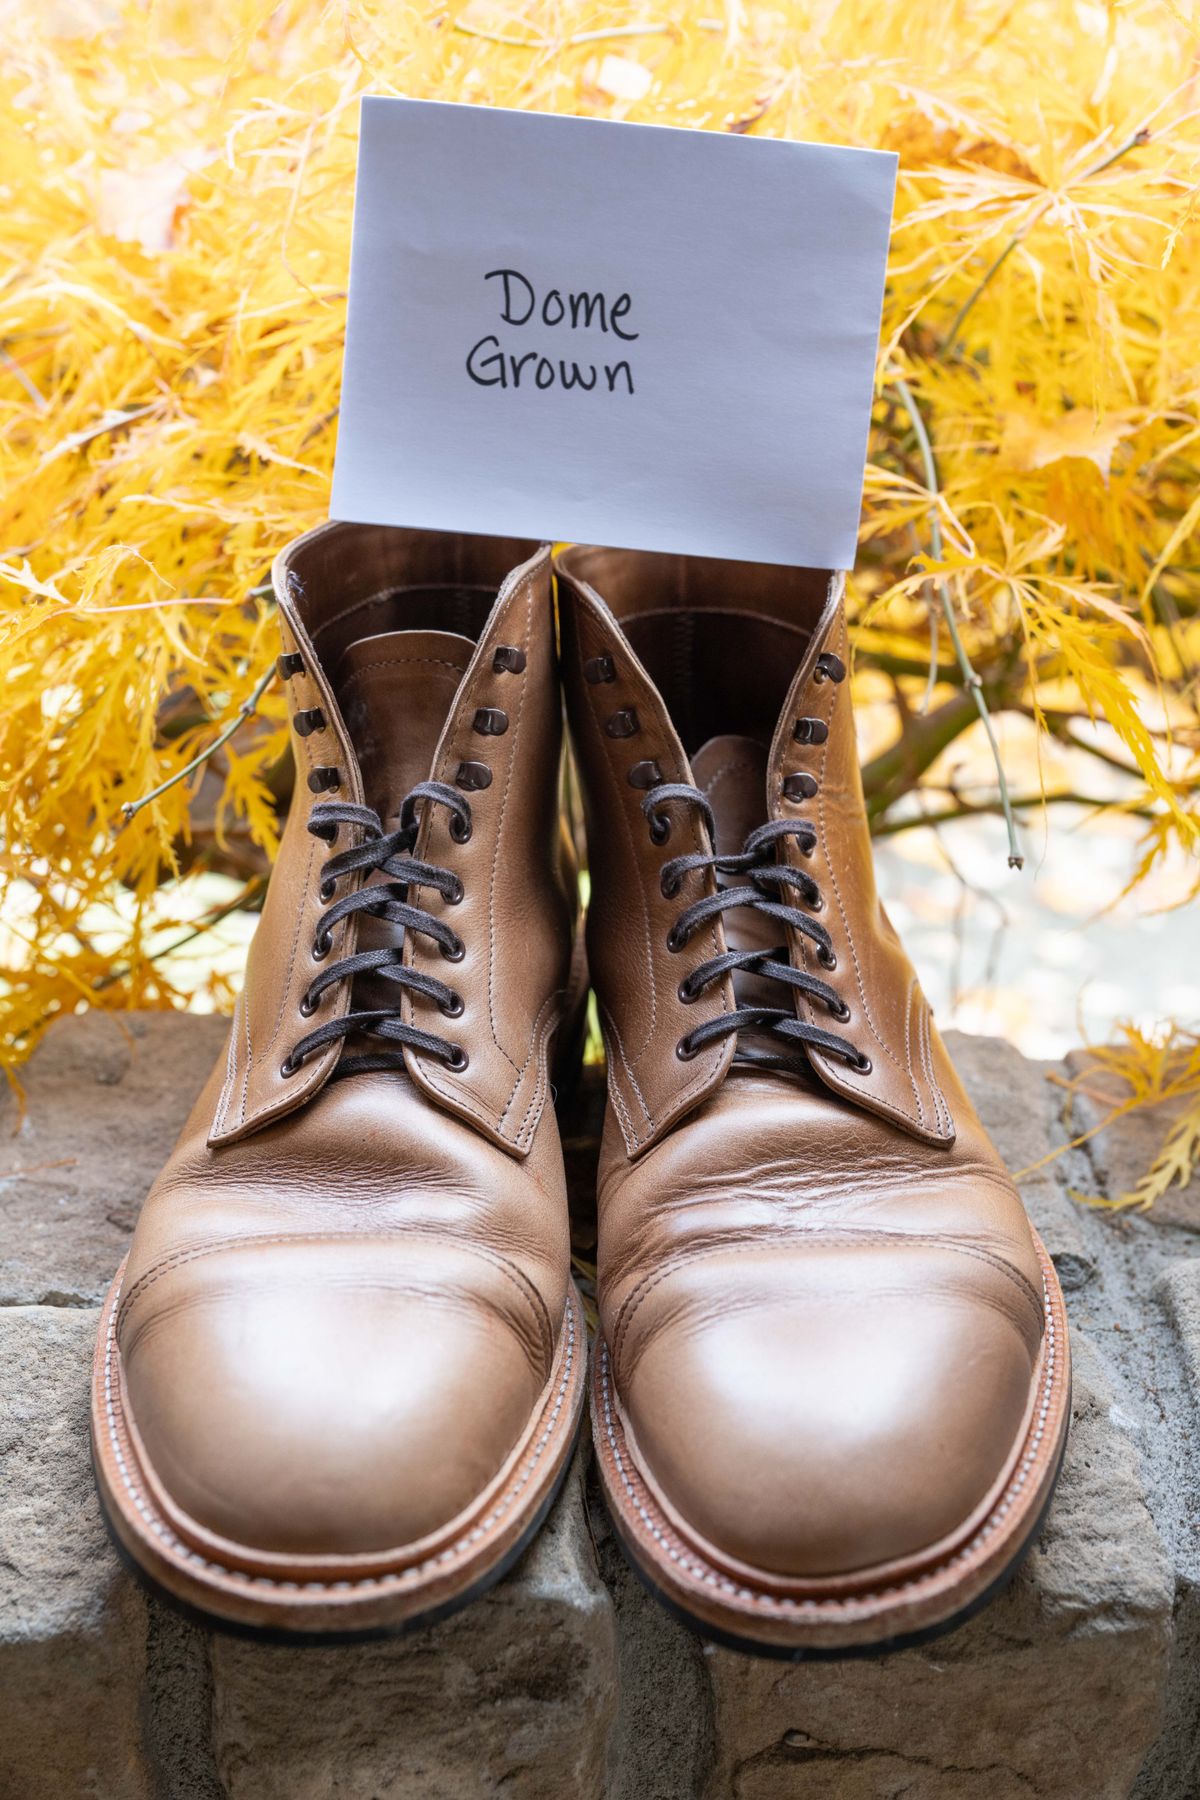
point(764, 886)
point(388, 854)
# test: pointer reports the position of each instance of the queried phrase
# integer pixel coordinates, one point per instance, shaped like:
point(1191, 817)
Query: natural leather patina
point(340, 1372)
point(831, 1378)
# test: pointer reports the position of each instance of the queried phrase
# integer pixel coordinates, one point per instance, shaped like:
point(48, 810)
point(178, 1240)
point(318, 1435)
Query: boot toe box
point(329, 1400)
point(813, 1421)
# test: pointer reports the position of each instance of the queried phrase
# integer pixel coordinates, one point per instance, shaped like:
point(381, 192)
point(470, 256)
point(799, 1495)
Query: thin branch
point(578, 37)
point(945, 674)
point(971, 680)
point(246, 710)
point(1140, 136)
point(1058, 724)
point(619, 31)
point(896, 770)
point(975, 809)
point(17, 372)
point(208, 921)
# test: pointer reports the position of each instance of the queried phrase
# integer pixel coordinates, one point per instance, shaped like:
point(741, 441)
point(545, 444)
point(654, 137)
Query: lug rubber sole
point(308, 1600)
point(876, 1610)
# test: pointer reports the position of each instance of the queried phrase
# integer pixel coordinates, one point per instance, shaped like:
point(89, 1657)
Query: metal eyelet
point(675, 941)
point(660, 828)
point(826, 958)
point(668, 889)
point(687, 993)
point(839, 1011)
point(308, 1006)
point(460, 829)
point(458, 1061)
point(455, 896)
point(829, 667)
point(685, 1050)
point(321, 946)
point(328, 888)
point(455, 952)
point(473, 776)
point(453, 1008)
point(810, 731)
point(817, 903)
point(288, 1068)
point(622, 724)
point(863, 1066)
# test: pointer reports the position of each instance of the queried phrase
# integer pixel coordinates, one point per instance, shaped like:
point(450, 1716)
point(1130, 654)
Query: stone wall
point(1082, 1682)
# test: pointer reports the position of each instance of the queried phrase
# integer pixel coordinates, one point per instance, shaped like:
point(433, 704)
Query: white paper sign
point(608, 333)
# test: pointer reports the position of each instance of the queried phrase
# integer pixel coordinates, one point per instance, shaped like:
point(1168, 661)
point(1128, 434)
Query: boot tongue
point(732, 773)
point(395, 692)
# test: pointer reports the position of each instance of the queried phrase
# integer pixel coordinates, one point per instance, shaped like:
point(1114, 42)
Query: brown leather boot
point(831, 1386)
point(340, 1373)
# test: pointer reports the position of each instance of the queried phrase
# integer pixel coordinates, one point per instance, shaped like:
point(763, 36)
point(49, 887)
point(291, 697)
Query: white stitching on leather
point(258, 1240)
point(925, 1026)
point(804, 1238)
point(908, 1013)
point(609, 1033)
point(454, 1093)
point(539, 1042)
point(226, 1093)
point(510, 771)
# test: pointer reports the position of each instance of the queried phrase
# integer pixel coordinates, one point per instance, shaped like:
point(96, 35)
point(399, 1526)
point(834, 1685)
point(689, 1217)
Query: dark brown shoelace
point(768, 879)
point(390, 854)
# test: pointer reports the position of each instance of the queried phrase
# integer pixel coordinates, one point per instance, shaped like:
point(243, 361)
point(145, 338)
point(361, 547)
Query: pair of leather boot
point(341, 1372)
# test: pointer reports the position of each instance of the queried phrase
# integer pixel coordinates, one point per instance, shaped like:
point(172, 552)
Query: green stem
point(971, 680)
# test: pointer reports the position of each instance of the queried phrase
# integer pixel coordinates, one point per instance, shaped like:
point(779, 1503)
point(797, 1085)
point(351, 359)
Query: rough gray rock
point(1020, 1109)
point(566, 1682)
point(662, 1748)
point(513, 1696)
point(1174, 1765)
point(105, 1097)
point(1054, 1690)
point(72, 1626)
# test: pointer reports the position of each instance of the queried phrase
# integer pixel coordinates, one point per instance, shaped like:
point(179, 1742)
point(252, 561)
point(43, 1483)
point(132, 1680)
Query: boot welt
point(874, 1610)
point(305, 1599)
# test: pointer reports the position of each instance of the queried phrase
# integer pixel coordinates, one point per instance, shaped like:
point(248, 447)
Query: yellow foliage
point(1142, 1070)
point(175, 203)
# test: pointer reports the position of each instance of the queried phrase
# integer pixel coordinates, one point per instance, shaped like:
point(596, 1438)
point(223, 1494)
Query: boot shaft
point(733, 677)
point(414, 657)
